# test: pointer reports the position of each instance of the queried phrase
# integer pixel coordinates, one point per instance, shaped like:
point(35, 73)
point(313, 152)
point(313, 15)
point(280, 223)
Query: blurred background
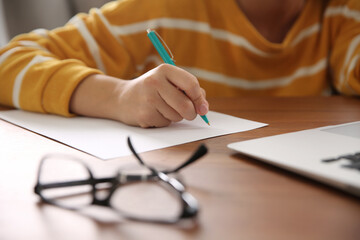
point(21, 16)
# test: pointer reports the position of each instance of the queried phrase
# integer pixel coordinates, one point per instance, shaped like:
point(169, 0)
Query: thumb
point(201, 105)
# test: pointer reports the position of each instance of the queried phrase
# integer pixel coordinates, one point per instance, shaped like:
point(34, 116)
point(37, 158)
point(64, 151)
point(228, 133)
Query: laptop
point(328, 154)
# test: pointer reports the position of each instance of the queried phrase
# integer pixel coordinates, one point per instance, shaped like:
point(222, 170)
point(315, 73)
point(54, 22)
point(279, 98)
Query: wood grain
point(240, 198)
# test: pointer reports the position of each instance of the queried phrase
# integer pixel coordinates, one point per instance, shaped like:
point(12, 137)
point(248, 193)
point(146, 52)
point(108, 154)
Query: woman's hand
point(163, 95)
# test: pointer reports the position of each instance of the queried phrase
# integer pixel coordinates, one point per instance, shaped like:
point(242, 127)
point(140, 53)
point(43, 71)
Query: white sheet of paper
point(106, 139)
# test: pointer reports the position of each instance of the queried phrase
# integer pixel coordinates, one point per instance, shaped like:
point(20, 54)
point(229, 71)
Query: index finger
point(187, 83)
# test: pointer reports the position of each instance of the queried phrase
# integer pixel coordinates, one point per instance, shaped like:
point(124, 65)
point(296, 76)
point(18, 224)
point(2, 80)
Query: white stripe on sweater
point(187, 25)
point(109, 27)
point(11, 51)
point(41, 32)
point(8, 53)
point(20, 78)
point(259, 84)
point(150, 59)
point(353, 63)
point(354, 44)
point(344, 11)
point(307, 32)
point(90, 41)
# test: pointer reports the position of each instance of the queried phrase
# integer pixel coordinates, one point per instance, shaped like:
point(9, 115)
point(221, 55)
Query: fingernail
point(203, 109)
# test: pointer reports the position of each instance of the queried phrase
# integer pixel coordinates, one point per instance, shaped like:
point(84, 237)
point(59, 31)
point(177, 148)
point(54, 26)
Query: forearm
point(96, 96)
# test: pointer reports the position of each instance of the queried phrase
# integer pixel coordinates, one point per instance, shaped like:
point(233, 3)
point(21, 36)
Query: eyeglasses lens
point(72, 174)
point(147, 200)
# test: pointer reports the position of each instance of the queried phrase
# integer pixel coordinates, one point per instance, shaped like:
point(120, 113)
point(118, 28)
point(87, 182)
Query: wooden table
point(240, 198)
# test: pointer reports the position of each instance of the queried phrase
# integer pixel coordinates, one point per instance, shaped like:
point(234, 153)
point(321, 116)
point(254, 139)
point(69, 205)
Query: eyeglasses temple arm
point(201, 151)
point(154, 171)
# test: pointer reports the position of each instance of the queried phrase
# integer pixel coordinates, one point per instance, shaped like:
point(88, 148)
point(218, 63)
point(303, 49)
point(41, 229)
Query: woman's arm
point(163, 95)
point(344, 22)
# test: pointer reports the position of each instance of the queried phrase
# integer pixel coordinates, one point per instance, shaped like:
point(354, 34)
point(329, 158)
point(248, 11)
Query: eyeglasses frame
point(189, 203)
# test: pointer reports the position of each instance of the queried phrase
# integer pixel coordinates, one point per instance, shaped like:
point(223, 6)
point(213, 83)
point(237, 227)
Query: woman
point(223, 48)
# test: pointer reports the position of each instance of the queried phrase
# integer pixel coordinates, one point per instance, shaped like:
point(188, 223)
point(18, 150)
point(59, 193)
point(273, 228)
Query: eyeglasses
point(151, 195)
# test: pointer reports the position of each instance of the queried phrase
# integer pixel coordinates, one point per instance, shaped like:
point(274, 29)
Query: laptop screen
point(350, 130)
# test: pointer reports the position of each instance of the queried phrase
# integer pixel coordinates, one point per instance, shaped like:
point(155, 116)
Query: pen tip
point(205, 119)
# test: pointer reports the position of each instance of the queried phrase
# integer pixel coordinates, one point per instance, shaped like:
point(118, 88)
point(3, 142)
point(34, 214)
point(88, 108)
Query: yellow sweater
point(210, 38)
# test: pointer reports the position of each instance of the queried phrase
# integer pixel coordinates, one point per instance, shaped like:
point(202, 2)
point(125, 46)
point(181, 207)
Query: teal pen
point(165, 56)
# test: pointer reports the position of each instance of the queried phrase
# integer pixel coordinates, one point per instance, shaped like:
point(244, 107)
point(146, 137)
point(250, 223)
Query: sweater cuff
point(58, 91)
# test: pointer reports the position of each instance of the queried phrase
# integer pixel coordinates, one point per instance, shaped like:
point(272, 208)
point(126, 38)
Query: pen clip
point(164, 43)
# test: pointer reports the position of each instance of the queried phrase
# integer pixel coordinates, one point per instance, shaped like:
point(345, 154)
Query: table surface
point(240, 198)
